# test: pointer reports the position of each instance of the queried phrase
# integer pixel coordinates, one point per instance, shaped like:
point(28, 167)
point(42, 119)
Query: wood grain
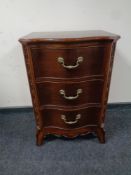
point(47, 77)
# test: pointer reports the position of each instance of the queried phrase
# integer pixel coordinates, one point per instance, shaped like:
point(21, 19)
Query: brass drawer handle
point(78, 116)
point(62, 92)
point(61, 61)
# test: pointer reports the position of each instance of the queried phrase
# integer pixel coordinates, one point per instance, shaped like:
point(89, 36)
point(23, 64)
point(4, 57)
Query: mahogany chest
point(69, 76)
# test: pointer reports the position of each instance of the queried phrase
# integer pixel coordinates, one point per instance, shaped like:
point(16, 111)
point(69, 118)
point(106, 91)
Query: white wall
point(20, 17)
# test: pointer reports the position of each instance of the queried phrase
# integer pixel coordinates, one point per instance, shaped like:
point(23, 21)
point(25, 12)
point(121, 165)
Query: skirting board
point(110, 106)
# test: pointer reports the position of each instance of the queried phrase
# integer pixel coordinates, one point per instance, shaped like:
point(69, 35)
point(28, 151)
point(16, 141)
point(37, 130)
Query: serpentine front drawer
point(71, 118)
point(62, 61)
point(70, 93)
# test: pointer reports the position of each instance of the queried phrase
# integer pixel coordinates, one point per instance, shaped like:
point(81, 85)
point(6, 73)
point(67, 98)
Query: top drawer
point(68, 62)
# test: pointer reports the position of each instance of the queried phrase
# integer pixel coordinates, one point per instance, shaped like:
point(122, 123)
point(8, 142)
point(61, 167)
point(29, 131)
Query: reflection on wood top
point(68, 36)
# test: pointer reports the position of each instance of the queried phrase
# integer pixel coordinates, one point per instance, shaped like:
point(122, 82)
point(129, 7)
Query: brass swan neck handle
point(62, 92)
point(61, 61)
point(63, 117)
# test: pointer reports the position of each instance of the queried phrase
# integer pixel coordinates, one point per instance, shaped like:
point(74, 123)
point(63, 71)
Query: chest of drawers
point(69, 76)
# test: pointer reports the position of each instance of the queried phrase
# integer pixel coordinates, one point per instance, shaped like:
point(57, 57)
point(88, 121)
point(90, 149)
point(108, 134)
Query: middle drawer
point(70, 93)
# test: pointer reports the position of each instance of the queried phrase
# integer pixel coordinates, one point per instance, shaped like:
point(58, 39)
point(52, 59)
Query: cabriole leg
point(101, 135)
point(39, 137)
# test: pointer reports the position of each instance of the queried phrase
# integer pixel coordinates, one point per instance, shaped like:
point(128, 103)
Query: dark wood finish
point(46, 64)
point(89, 117)
point(91, 92)
point(69, 36)
point(58, 114)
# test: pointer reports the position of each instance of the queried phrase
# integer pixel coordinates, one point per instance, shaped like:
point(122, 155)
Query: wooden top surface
point(68, 36)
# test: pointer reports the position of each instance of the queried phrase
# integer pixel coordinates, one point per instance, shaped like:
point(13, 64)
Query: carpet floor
point(59, 156)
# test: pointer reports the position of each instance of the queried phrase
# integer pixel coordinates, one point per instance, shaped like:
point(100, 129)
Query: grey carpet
point(82, 156)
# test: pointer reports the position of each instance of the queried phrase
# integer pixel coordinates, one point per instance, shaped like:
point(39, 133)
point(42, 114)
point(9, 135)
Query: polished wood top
point(68, 36)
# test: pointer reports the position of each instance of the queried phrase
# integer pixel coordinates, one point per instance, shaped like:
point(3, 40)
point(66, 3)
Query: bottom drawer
point(67, 119)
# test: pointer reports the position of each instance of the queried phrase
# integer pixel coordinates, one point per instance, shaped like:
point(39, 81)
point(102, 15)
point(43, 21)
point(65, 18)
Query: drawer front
point(71, 119)
point(69, 63)
point(70, 93)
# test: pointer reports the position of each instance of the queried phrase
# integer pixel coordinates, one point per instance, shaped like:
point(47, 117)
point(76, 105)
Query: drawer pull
point(78, 116)
point(62, 92)
point(61, 61)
